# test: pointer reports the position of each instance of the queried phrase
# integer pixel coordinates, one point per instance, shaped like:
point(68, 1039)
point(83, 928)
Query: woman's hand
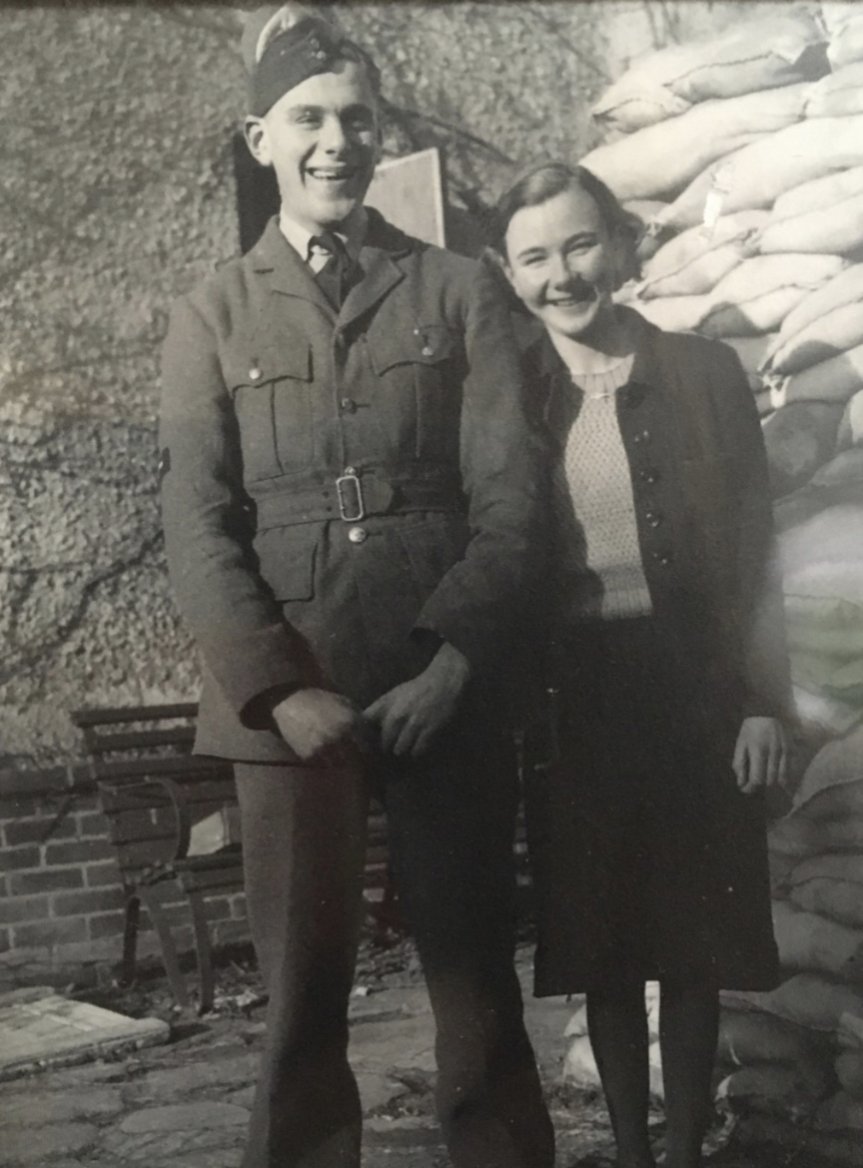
point(761, 755)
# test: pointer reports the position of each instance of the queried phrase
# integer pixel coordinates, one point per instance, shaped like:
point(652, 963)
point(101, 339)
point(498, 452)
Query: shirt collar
point(352, 233)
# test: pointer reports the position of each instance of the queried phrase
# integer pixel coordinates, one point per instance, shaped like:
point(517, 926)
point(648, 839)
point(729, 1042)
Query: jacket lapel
point(273, 257)
point(385, 245)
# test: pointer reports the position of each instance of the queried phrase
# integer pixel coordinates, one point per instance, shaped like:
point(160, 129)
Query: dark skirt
point(648, 863)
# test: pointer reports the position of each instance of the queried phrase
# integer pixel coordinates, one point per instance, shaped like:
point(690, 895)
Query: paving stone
point(384, 1045)
point(180, 1117)
point(36, 1145)
point(218, 1074)
point(377, 1089)
point(404, 1132)
point(242, 1098)
point(50, 1029)
point(32, 1107)
point(173, 1134)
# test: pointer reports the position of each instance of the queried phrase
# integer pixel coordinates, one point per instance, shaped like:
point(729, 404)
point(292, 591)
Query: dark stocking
point(688, 1032)
point(617, 1023)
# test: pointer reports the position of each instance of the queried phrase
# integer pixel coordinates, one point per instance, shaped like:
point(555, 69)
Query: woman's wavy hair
point(549, 179)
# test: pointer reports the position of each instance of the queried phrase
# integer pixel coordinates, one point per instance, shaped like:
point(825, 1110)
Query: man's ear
point(258, 140)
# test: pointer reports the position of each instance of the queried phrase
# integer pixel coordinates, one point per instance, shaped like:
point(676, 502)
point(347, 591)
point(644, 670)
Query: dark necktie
point(338, 275)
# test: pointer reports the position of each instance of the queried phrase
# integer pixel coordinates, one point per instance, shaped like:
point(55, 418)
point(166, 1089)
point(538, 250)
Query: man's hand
point(411, 714)
point(318, 725)
point(761, 754)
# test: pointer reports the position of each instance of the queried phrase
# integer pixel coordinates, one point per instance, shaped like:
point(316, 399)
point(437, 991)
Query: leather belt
point(353, 496)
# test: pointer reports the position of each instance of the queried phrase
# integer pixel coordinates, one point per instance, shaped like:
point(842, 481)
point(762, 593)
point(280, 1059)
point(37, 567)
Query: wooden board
point(409, 192)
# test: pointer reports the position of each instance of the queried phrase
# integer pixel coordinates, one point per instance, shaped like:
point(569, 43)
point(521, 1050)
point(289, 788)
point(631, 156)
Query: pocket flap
point(291, 358)
point(422, 345)
point(286, 559)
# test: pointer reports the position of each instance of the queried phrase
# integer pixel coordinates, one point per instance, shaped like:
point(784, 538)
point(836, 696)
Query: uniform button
point(348, 405)
point(255, 374)
point(358, 535)
point(427, 350)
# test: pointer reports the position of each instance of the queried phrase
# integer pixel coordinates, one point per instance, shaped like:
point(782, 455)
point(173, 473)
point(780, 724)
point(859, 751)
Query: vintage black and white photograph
point(431, 496)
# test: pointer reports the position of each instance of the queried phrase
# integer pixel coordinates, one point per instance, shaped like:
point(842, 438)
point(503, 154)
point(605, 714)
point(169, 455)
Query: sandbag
point(674, 314)
point(807, 999)
point(846, 42)
point(824, 556)
point(775, 1087)
point(661, 159)
point(759, 173)
point(849, 1072)
point(840, 1113)
point(749, 57)
point(845, 288)
point(779, 869)
point(700, 276)
point(834, 380)
point(795, 836)
point(836, 332)
point(816, 195)
point(840, 900)
point(579, 1065)
point(832, 784)
point(798, 439)
point(837, 94)
point(842, 835)
point(749, 1036)
point(854, 418)
point(844, 866)
point(696, 260)
point(753, 298)
point(846, 467)
point(807, 941)
point(837, 229)
point(752, 351)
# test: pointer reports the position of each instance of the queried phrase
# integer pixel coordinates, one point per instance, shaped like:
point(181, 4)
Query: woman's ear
point(258, 140)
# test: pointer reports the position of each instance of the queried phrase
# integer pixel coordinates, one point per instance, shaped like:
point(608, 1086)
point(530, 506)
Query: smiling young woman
point(665, 649)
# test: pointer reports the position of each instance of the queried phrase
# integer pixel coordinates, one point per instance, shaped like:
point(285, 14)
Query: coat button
point(427, 350)
point(347, 405)
point(255, 373)
point(357, 535)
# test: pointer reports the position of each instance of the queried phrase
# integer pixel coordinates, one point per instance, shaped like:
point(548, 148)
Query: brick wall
point(61, 901)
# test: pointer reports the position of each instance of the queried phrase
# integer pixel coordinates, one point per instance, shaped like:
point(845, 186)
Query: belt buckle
point(349, 489)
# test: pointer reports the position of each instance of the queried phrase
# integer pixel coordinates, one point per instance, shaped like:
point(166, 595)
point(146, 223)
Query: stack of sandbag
point(753, 142)
point(818, 922)
point(753, 145)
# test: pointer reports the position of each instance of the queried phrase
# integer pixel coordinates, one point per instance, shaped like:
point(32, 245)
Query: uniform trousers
point(450, 823)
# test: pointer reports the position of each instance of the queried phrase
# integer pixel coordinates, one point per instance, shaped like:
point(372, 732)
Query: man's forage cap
point(284, 44)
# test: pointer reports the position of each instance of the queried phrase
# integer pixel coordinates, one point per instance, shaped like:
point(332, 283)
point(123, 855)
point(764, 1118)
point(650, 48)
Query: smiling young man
point(352, 512)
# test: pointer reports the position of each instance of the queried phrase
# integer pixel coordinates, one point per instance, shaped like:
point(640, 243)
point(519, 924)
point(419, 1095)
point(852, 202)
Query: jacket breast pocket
point(286, 560)
point(420, 372)
point(272, 395)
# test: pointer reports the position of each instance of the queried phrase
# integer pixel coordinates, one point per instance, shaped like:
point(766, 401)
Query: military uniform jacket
point(703, 509)
point(342, 491)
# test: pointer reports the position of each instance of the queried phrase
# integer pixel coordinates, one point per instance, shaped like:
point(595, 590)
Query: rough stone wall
point(117, 195)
